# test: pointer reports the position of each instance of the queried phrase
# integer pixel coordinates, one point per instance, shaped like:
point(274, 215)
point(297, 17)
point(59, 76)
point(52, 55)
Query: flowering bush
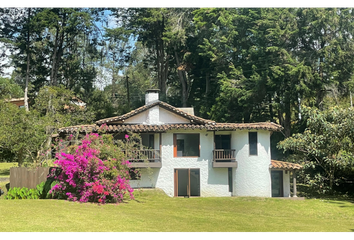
point(94, 171)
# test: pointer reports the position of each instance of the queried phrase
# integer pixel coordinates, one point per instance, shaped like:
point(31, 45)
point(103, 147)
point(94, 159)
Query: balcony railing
point(224, 158)
point(144, 158)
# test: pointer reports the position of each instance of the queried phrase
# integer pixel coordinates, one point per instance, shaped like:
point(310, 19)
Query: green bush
point(22, 193)
point(44, 187)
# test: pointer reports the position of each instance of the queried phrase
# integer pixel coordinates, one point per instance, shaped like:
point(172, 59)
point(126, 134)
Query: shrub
point(22, 193)
point(85, 177)
point(44, 187)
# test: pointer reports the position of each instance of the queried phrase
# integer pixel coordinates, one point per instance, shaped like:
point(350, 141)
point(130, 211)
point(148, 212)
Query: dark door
point(147, 140)
point(277, 184)
point(187, 182)
point(222, 141)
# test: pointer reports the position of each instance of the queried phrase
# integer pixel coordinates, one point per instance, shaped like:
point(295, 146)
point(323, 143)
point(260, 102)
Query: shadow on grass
point(4, 172)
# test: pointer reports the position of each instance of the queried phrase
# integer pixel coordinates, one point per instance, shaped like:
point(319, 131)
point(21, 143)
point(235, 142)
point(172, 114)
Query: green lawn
point(5, 175)
point(156, 212)
point(5, 169)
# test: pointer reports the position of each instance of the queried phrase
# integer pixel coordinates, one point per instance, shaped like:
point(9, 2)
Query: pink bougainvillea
point(84, 177)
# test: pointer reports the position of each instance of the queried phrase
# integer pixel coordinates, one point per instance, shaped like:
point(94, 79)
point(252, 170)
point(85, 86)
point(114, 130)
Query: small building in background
point(20, 102)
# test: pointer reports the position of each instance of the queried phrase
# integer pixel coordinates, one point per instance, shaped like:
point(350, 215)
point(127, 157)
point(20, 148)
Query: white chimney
point(151, 96)
point(153, 117)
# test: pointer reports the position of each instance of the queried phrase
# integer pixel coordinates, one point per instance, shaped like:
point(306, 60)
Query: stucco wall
point(167, 117)
point(252, 177)
point(138, 119)
point(156, 115)
point(213, 181)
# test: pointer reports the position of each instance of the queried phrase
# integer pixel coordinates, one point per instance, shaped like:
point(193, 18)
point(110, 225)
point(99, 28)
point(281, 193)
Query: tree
point(21, 133)
point(149, 26)
point(326, 147)
point(9, 89)
point(18, 35)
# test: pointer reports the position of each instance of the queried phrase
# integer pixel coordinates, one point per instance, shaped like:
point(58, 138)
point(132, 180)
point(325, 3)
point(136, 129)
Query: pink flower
point(105, 193)
point(126, 136)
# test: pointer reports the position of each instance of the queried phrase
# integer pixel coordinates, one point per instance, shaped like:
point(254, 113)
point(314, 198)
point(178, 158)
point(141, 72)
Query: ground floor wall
point(214, 182)
point(252, 177)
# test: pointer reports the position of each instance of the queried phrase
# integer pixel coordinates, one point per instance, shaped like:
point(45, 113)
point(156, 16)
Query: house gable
point(140, 118)
point(164, 117)
point(168, 117)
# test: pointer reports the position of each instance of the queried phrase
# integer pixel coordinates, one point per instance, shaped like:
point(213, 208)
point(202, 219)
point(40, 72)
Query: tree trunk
point(58, 51)
point(183, 80)
point(207, 84)
point(287, 120)
point(20, 157)
point(270, 108)
point(128, 95)
point(28, 61)
point(52, 80)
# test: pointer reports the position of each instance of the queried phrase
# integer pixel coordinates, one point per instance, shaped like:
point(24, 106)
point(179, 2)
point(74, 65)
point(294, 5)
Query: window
point(186, 145)
point(147, 140)
point(222, 141)
point(252, 142)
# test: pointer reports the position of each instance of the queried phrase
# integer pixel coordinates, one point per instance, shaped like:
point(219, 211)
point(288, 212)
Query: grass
point(153, 211)
point(5, 169)
point(5, 174)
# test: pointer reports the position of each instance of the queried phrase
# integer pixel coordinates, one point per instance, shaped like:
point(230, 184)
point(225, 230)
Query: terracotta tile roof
point(249, 126)
point(165, 127)
point(116, 124)
point(284, 165)
point(81, 128)
point(160, 104)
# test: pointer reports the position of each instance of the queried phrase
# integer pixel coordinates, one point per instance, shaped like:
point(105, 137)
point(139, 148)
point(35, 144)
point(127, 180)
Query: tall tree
point(325, 148)
point(148, 25)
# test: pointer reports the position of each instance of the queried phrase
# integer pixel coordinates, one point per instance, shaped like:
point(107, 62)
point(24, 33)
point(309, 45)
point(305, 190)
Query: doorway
point(187, 182)
point(277, 184)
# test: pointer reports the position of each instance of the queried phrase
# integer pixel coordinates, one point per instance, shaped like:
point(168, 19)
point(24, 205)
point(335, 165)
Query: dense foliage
point(325, 148)
point(93, 171)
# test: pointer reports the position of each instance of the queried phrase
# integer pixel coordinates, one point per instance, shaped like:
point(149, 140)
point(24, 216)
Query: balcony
point(144, 158)
point(224, 158)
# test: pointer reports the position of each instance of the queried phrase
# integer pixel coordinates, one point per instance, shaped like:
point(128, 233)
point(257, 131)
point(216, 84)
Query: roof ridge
point(148, 106)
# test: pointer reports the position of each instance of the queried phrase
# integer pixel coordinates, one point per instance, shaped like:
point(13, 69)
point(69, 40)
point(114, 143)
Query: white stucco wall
point(167, 117)
point(156, 115)
point(137, 119)
point(252, 177)
point(151, 97)
point(153, 116)
point(213, 181)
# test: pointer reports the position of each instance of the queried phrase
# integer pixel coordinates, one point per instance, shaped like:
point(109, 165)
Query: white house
point(191, 156)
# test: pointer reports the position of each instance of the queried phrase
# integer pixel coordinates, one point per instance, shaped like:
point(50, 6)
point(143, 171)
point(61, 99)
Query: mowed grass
point(5, 175)
point(5, 169)
point(153, 211)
